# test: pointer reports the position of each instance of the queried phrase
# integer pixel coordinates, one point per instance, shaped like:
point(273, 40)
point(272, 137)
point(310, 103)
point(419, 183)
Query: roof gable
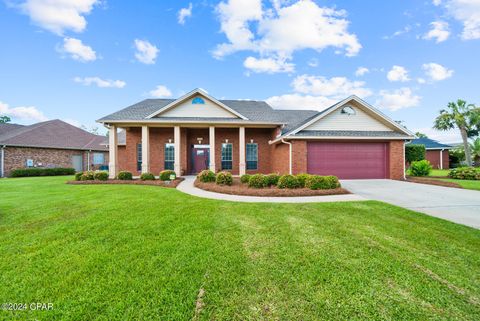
point(197, 103)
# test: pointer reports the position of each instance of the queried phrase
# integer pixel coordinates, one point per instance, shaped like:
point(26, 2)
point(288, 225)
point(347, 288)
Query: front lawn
point(439, 172)
point(465, 183)
point(124, 252)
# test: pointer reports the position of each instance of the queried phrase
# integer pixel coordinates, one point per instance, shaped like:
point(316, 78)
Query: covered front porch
point(188, 149)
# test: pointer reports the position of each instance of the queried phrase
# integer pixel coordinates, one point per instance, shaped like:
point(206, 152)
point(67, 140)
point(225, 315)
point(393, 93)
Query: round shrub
point(288, 181)
point(258, 181)
point(420, 168)
point(125, 176)
point(165, 175)
point(245, 178)
point(333, 181)
point(78, 176)
point(302, 178)
point(101, 175)
point(87, 176)
point(272, 179)
point(224, 178)
point(206, 176)
point(464, 173)
point(322, 182)
point(147, 177)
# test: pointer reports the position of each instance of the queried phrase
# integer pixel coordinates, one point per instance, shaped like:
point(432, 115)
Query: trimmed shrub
point(315, 182)
point(464, 173)
point(78, 176)
point(124, 176)
point(245, 178)
point(147, 177)
point(224, 178)
point(258, 181)
point(420, 168)
point(302, 178)
point(165, 175)
point(288, 181)
point(206, 176)
point(87, 176)
point(414, 153)
point(101, 175)
point(272, 179)
point(30, 172)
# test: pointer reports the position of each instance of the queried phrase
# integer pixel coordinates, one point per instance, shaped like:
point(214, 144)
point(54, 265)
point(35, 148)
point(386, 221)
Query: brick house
point(52, 143)
point(436, 153)
point(350, 139)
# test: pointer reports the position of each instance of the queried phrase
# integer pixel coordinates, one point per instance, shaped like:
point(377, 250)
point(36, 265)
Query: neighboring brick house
point(436, 153)
point(52, 143)
point(350, 139)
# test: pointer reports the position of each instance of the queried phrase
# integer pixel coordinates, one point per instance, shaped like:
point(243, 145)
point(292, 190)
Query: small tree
point(414, 153)
point(421, 135)
point(5, 119)
point(475, 147)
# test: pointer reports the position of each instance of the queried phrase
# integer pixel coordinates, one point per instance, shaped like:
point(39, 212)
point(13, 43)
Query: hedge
point(420, 168)
point(465, 173)
point(272, 179)
point(315, 182)
point(288, 181)
point(29, 172)
point(165, 175)
point(414, 153)
point(125, 176)
point(206, 176)
point(258, 181)
point(224, 178)
point(245, 178)
point(147, 177)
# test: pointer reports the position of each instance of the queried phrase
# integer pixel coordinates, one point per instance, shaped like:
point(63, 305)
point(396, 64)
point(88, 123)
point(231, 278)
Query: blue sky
point(82, 59)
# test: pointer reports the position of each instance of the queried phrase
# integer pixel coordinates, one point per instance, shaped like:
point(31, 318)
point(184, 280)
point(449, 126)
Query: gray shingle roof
point(52, 134)
point(348, 133)
point(430, 143)
point(8, 128)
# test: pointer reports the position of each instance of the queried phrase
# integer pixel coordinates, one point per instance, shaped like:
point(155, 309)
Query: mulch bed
point(156, 182)
point(238, 188)
point(430, 181)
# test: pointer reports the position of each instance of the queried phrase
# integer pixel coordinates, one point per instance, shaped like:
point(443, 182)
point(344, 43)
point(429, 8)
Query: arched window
point(348, 110)
point(198, 100)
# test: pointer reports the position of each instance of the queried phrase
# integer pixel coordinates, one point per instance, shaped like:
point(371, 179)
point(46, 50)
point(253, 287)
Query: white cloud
point(29, 113)
point(335, 87)
point(421, 80)
point(146, 52)
point(439, 31)
point(313, 62)
point(468, 13)
point(397, 99)
point(297, 101)
point(398, 73)
point(58, 16)
point(268, 65)
point(77, 50)
point(283, 29)
point(99, 82)
point(437, 2)
point(449, 136)
point(361, 71)
point(397, 33)
point(160, 92)
point(184, 13)
point(437, 72)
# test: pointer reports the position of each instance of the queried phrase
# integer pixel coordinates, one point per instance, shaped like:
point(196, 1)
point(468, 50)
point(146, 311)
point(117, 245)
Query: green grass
point(119, 252)
point(465, 183)
point(439, 172)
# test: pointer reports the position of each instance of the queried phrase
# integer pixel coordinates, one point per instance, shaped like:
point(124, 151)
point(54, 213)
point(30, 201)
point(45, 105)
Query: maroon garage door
point(347, 160)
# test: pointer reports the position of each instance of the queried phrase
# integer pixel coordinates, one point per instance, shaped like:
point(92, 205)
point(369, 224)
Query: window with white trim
point(227, 156)
point(252, 156)
point(139, 157)
point(98, 159)
point(169, 156)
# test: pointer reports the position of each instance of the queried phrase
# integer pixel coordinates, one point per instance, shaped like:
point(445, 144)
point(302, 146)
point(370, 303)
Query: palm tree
point(463, 116)
point(475, 147)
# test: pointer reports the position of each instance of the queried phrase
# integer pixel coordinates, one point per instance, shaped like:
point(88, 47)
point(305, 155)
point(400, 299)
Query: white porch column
point(112, 152)
point(441, 158)
point(145, 149)
point(176, 139)
point(211, 139)
point(241, 148)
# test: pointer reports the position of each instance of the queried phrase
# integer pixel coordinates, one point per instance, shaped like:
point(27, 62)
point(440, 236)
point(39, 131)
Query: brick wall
point(433, 156)
point(299, 156)
point(396, 160)
point(280, 158)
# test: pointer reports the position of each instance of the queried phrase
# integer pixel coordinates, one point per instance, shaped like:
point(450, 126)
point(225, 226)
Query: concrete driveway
point(454, 204)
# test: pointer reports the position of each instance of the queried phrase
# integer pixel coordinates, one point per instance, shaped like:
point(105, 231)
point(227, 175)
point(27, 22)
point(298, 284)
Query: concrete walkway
point(454, 204)
point(187, 187)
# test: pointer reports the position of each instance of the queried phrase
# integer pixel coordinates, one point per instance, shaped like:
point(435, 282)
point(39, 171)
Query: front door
point(200, 158)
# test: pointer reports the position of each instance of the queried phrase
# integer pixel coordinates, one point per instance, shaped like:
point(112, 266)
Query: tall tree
point(475, 147)
point(463, 116)
point(4, 119)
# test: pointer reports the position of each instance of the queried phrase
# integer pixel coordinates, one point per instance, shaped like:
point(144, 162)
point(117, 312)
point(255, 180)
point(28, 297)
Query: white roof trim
point(196, 91)
point(277, 140)
point(343, 102)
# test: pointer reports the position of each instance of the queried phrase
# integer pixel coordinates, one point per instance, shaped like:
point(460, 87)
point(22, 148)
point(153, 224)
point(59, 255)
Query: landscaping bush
point(224, 178)
point(302, 178)
point(272, 179)
point(288, 181)
point(464, 173)
point(87, 176)
point(125, 176)
point(29, 172)
point(315, 182)
point(420, 168)
point(414, 153)
point(206, 176)
point(101, 175)
point(165, 175)
point(245, 178)
point(147, 177)
point(78, 176)
point(258, 181)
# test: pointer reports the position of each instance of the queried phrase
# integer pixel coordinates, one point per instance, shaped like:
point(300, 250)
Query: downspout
point(2, 161)
point(289, 156)
point(404, 174)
